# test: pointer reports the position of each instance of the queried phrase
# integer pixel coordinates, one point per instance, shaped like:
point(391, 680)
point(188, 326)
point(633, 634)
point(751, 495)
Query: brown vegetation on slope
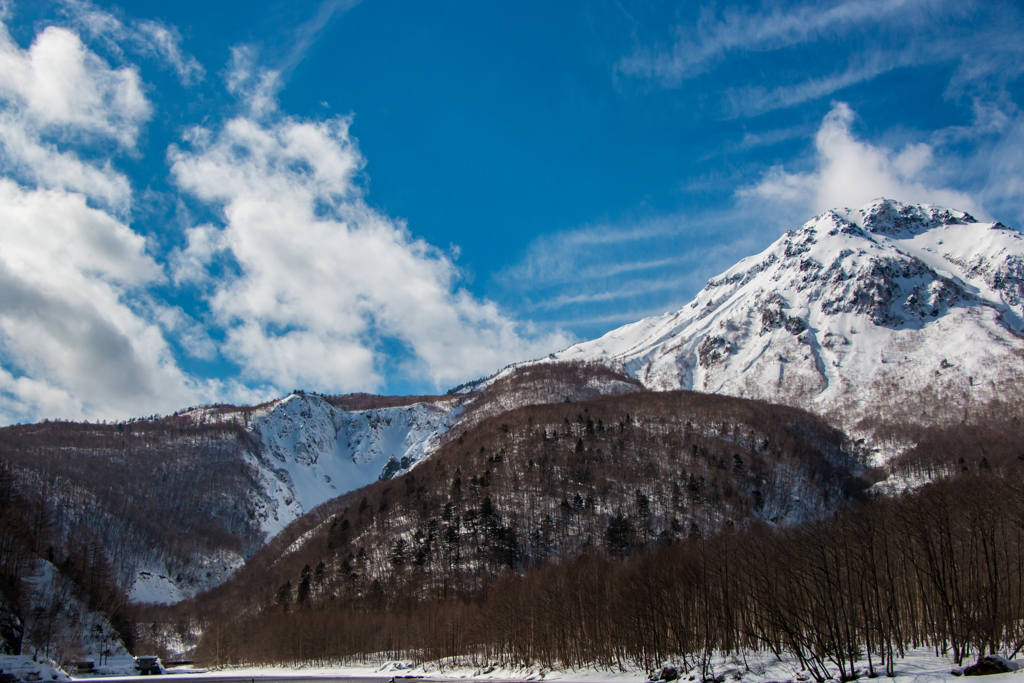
point(163, 490)
point(545, 383)
point(942, 567)
point(28, 534)
point(613, 477)
point(354, 402)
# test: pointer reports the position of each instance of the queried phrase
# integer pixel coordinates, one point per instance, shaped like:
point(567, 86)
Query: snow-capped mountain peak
point(854, 311)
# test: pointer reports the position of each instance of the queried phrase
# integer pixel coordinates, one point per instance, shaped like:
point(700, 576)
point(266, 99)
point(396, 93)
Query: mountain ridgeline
point(837, 417)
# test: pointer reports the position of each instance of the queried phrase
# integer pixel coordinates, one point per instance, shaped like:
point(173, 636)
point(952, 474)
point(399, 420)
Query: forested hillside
point(610, 478)
point(178, 503)
point(413, 569)
point(566, 516)
point(172, 493)
point(58, 591)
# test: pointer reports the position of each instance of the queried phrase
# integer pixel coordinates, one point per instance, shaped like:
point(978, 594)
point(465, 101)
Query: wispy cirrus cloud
point(750, 100)
point(580, 254)
point(814, 50)
point(585, 279)
point(310, 31)
point(146, 37)
point(699, 48)
point(782, 56)
point(630, 289)
point(257, 80)
point(771, 137)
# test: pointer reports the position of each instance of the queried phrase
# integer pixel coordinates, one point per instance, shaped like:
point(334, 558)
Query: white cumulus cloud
point(72, 345)
point(850, 172)
point(324, 285)
point(58, 91)
point(80, 336)
point(64, 87)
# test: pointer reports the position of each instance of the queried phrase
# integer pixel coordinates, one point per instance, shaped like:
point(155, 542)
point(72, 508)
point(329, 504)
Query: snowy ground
point(920, 666)
point(25, 669)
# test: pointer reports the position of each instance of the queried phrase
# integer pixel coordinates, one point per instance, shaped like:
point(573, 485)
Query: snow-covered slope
point(309, 451)
point(907, 311)
point(299, 452)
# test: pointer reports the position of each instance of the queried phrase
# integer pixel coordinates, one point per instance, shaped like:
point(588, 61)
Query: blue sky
point(206, 202)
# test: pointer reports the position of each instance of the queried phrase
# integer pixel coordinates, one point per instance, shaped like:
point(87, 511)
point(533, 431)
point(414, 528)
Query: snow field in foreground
point(920, 666)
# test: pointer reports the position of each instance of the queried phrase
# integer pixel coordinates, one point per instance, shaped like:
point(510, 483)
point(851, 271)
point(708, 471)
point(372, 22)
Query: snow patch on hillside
point(158, 585)
point(154, 588)
point(309, 451)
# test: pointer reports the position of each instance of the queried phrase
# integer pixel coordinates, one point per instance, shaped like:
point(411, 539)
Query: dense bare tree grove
point(941, 567)
point(28, 535)
point(149, 492)
point(938, 451)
